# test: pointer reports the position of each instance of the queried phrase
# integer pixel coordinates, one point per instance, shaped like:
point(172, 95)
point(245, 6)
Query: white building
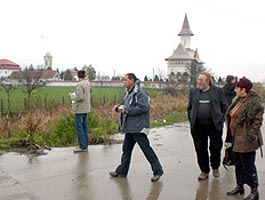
point(47, 61)
point(181, 61)
point(7, 67)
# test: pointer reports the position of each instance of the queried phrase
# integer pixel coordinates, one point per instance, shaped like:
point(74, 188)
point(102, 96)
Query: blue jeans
point(127, 148)
point(81, 129)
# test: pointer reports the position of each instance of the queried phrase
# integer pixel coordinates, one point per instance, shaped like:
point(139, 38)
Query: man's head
point(229, 78)
point(129, 80)
point(81, 74)
point(204, 81)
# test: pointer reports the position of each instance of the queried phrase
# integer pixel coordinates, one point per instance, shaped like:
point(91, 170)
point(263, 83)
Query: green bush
point(5, 143)
point(64, 133)
point(93, 121)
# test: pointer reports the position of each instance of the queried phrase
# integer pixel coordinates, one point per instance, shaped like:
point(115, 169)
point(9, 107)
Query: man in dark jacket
point(134, 122)
point(206, 109)
point(229, 89)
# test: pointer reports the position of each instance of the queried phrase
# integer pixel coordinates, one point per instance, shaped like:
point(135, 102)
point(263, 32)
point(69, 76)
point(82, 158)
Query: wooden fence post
point(25, 104)
point(45, 103)
point(2, 107)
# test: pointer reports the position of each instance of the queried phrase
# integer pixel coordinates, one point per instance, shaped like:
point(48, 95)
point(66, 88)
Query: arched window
point(179, 76)
point(172, 76)
point(185, 77)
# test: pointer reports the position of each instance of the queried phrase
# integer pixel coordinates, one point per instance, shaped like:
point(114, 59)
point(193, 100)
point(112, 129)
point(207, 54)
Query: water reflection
point(155, 191)
point(80, 181)
point(216, 192)
point(127, 194)
point(206, 191)
point(202, 191)
point(124, 187)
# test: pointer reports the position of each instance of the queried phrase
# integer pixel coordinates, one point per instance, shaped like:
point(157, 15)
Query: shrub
point(55, 127)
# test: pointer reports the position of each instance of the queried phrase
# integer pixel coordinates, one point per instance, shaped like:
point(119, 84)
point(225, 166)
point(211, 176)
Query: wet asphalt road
point(63, 175)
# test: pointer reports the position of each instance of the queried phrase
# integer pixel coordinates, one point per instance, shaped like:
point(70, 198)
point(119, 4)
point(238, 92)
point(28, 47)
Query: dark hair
point(81, 74)
point(208, 76)
point(229, 78)
point(132, 76)
point(244, 83)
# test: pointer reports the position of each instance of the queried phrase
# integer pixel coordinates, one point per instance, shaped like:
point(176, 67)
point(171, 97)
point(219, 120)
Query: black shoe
point(237, 190)
point(254, 195)
point(115, 174)
point(155, 178)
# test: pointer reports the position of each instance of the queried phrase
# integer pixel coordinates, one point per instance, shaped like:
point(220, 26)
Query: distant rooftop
point(7, 64)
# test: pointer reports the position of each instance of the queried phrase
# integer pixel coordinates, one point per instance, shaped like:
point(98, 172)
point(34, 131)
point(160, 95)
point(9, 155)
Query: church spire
point(185, 27)
point(185, 33)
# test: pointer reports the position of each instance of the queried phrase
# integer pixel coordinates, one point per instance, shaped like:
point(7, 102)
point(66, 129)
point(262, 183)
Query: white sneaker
point(78, 150)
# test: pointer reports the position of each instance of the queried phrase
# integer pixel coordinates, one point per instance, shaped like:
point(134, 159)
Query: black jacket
point(229, 90)
point(218, 106)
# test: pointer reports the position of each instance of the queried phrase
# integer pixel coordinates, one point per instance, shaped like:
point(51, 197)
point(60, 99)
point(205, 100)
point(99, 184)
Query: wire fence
point(49, 103)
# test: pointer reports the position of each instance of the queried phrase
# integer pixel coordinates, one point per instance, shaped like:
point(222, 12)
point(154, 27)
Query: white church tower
point(47, 61)
point(185, 34)
point(179, 63)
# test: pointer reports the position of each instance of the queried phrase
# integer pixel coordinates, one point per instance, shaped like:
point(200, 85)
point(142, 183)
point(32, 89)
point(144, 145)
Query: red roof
point(7, 64)
point(47, 74)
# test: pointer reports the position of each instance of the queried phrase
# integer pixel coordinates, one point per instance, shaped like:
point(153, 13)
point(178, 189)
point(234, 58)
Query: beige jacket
point(81, 101)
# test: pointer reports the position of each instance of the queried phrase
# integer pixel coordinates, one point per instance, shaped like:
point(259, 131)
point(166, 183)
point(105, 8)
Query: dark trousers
point(246, 171)
point(200, 135)
point(127, 148)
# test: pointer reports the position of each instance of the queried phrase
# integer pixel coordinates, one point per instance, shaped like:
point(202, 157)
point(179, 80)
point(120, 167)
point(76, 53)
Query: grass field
point(56, 95)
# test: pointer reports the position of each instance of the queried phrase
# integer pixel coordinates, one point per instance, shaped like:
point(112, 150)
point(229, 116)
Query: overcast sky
point(120, 36)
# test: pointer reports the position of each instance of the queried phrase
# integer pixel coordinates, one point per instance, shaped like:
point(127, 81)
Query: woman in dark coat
point(244, 119)
point(229, 89)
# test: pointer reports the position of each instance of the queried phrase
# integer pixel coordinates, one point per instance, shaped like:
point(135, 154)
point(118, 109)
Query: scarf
point(127, 100)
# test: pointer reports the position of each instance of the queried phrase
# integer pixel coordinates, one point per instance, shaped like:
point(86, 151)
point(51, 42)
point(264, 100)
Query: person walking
point(134, 122)
point(206, 110)
point(229, 89)
point(244, 119)
point(81, 106)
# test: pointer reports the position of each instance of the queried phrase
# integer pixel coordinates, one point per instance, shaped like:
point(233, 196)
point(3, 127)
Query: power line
point(226, 12)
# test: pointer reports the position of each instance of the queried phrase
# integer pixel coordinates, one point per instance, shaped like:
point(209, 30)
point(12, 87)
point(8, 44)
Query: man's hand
point(118, 108)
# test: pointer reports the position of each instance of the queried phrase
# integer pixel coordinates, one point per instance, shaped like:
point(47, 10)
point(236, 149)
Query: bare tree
point(8, 88)
point(194, 69)
point(91, 72)
point(67, 75)
point(102, 77)
point(161, 74)
point(32, 81)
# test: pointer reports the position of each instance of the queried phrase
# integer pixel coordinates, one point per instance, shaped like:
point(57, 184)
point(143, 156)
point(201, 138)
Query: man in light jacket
point(81, 106)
